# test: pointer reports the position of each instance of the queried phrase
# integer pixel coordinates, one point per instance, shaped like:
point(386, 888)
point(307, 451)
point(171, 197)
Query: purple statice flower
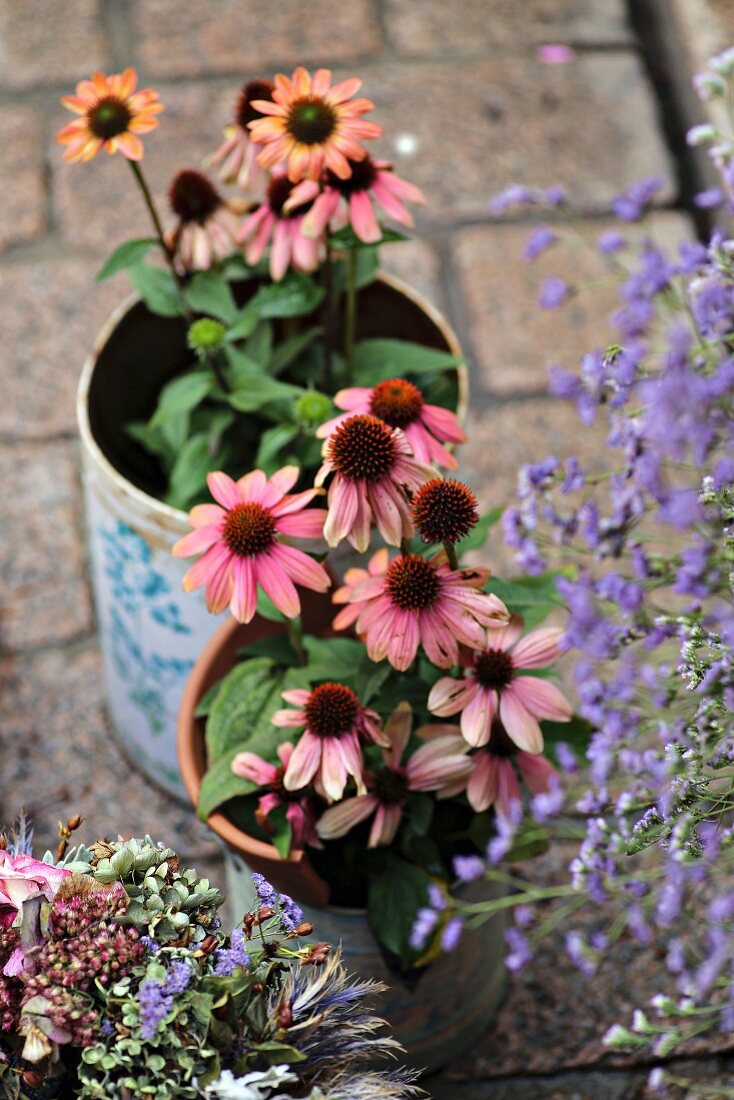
point(611, 240)
point(468, 868)
point(566, 757)
point(520, 952)
point(514, 195)
point(179, 977)
point(630, 204)
point(580, 953)
point(154, 1005)
point(553, 292)
point(575, 478)
point(723, 473)
point(554, 195)
point(424, 925)
point(706, 200)
point(539, 240)
point(291, 914)
point(451, 934)
point(150, 945)
point(229, 959)
point(547, 804)
point(265, 892)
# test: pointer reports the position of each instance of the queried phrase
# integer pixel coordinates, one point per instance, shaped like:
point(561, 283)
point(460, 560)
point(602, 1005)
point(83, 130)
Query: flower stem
point(294, 636)
point(350, 313)
point(451, 555)
point(166, 249)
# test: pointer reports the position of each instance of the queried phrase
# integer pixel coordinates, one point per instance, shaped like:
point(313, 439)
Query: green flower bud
point(206, 335)
point(313, 407)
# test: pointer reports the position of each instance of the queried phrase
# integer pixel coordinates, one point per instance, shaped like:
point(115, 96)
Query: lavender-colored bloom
point(423, 927)
point(265, 892)
point(291, 914)
point(630, 203)
point(706, 200)
point(723, 473)
point(554, 195)
point(451, 934)
point(538, 241)
point(437, 897)
point(179, 977)
point(154, 1005)
point(468, 868)
point(566, 757)
point(553, 292)
point(611, 240)
point(231, 958)
point(150, 944)
point(520, 952)
point(575, 478)
point(514, 195)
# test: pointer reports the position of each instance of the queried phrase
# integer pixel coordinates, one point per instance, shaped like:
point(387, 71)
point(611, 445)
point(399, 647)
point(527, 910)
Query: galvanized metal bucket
point(151, 631)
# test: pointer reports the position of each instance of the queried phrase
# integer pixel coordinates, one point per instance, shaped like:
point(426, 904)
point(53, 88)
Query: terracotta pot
point(151, 631)
point(454, 1000)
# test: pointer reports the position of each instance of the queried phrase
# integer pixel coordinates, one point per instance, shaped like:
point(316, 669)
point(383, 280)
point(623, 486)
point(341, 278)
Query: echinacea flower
point(353, 577)
point(494, 782)
point(273, 222)
point(371, 181)
point(239, 539)
point(495, 685)
point(444, 510)
point(422, 601)
point(373, 466)
point(328, 751)
point(111, 115)
point(206, 227)
point(440, 763)
point(236, 157)
point(400, 404)
point(299, 810)
point(312, 125)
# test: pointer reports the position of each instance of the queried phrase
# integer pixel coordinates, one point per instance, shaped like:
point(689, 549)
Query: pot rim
point(175, 516)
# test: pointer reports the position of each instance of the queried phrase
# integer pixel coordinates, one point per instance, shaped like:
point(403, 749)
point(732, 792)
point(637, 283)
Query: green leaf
point(336, 659)
point(127, 254)
point(245, 324)
point(576, 734)
point(210, 293)
point(181, 395)
point(347, 238)
point(244, 693)
point(295, 296)
point(220, 784)
point(274, 1053)
point(532, 597)
point(379, 358)
point(158, 290)
point(287, 352)
point(188, 476)
point(259, 347)
point(205, 703)
point(268, 610)
point(478, 536)
point(259, 390)
point(395, 897)
point(421, 813)
point(278, 649)
point(371, 676)
point(282, 835)
point(273, 443)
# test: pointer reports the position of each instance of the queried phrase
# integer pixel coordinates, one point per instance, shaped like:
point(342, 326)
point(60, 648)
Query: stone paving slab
point(23, 210)
point(44, 597)
point(471, 27)
point(49, 41)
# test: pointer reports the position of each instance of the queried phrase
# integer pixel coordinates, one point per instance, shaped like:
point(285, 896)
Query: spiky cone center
point(193, 197)
point(363, 448)
point(494, 669)
point(277, 194)
point(391, 787)
point(397, 402)
point(331, 710)
point(244, 112)
point(363, 177)
point(412, 583)
point(444, 510)
point(109, 117)
point(249, 529)
point(311, 120)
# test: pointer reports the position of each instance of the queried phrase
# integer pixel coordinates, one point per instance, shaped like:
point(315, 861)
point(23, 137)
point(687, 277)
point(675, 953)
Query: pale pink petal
point(351, 753)
point(297, 696)
point(390, 203)
point(339, 819)
point(508, 790)
point(304, 762)
point(522, 727)
point(542, 698)
point(439, 761)
point(224, 489)
point(504, 637)
point(252, 486)
point(404, 641)
point(385, 825)
point(476, 718)
point(362, 217)
point(277, 585)
point(538, 649)
point(244, 595)
point(288, 719)
point(443, 424)
point(354, 399)
point(342, 501)
point(248, 765)
point(293, 502)
point(202, 515)
point(318, 217)
point(481, 790)
point(537, 772)
point(397, 733)
point(439, 638)
point(197, 541)
point(389, 517)
point(280, 252)
point(207, 566)
point(301, 568)
point(448, 696)
point(284, 751)
point(333, 768)
point(308, 524)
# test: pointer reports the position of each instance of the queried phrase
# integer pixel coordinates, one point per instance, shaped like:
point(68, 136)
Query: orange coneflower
point(112, 114)
point(312, 124)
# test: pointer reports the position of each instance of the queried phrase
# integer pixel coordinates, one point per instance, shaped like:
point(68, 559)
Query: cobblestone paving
point(467, 110)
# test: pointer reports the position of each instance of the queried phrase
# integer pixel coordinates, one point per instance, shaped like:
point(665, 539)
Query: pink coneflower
point(236, 157)
point(312, 125)
point(376, 566)
point(400, 404)
point(328, 750)
point(420, 601)
point(372, 465)
point(371, 181)
point(206, 226)
point(299, 809)
point(493, 781)
point(290, 247)
point(495, 685)
point(241, 548)
point(438, 764)
point(112, 114)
